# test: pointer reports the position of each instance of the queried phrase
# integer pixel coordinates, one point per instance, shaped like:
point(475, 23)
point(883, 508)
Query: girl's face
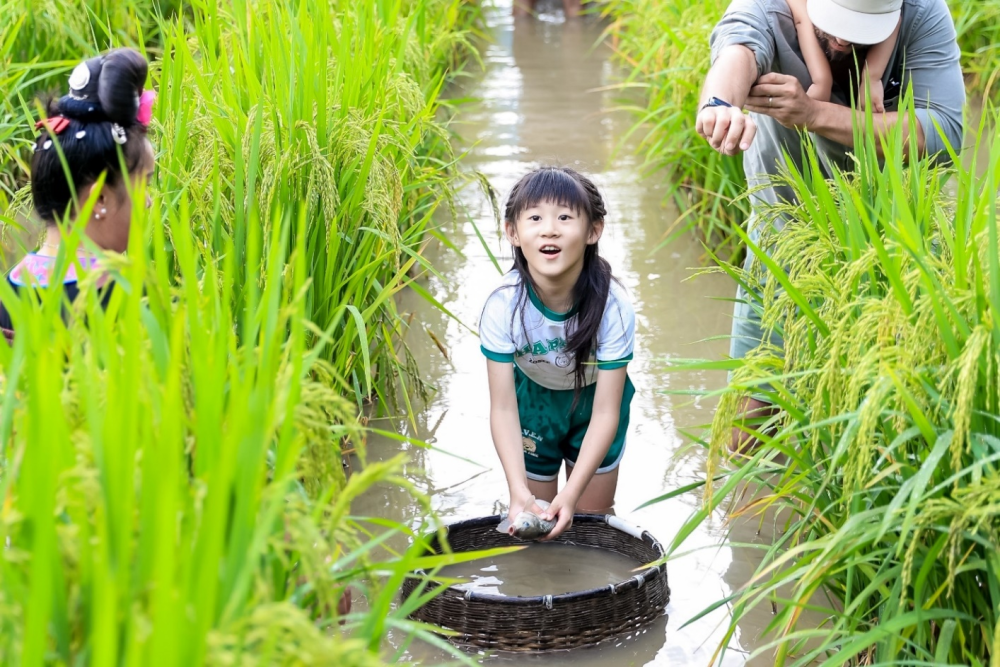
point(114, 205)
point(553, 239)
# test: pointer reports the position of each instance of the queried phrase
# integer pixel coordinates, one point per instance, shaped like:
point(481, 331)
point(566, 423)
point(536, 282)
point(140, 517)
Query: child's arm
point(505, 426)
point(875, 63)
point(600, 434)
point(812, 52)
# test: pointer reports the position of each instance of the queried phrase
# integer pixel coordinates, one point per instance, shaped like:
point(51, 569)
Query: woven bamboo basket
point(549, 622)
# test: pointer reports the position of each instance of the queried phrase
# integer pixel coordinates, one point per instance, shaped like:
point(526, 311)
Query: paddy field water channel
point(544, 98)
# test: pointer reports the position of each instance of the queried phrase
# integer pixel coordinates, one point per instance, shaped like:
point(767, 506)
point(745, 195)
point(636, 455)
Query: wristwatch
point(715, 102)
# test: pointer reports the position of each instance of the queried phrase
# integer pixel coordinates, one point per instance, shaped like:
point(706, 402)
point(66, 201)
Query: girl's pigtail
point(590, 293)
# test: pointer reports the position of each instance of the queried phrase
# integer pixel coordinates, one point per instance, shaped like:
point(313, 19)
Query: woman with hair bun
point(99, 126)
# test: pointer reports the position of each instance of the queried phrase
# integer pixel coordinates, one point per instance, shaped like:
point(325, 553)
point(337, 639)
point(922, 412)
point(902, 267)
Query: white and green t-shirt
point(535, 339)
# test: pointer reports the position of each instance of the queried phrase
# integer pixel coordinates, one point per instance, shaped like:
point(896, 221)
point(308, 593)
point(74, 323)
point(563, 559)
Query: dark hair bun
point(106, 88)
point(120, 85)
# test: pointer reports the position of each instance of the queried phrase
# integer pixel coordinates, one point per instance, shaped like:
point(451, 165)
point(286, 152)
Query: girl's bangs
point(550, 185)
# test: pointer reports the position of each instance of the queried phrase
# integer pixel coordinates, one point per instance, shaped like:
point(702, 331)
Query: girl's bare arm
point(601, 430)
point(876, 62)
point(812, 52)
point(878, 55)
point(596, 443)
point(505, 426)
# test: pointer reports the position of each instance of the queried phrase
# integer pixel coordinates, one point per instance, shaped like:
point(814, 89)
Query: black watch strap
point(715, 102)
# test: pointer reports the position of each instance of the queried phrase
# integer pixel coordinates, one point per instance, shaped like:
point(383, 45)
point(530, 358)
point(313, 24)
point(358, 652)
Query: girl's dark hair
point(565, 187)
point(104, 93)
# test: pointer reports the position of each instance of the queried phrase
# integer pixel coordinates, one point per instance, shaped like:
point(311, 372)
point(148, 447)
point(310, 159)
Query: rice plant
point(979, 39)
point(194, 508)
point(330, 103)
point(14, 143)
point(664, 46)
point(61, 30)
point(155, 467)
point(881, 470)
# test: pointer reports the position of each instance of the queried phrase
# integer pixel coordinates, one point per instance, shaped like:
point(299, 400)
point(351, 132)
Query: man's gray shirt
point(926, 43)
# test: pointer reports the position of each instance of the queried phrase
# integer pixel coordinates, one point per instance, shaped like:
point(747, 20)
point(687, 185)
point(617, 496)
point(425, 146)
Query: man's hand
point(781, 97)
point(727, 129)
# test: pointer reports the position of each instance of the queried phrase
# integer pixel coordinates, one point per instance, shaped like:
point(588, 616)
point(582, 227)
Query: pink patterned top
point(36, 270)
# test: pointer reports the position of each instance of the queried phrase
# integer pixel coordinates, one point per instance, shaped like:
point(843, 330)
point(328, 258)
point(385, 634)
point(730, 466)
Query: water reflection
point(540, 104)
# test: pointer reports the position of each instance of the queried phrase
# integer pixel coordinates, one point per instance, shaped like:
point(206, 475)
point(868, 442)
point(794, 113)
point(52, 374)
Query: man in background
point(757, 66)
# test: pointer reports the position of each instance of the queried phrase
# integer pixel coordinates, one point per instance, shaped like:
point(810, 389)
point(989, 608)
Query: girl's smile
point(551, 250)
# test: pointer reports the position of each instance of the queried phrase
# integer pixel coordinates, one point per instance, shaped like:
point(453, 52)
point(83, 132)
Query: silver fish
point(527, 525)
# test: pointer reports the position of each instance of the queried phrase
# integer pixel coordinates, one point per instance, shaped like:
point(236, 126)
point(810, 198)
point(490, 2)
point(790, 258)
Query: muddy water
point(541, 103)
point(543, 569)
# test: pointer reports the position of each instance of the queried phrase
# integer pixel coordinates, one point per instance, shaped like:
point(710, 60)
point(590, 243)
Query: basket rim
point(651, 573)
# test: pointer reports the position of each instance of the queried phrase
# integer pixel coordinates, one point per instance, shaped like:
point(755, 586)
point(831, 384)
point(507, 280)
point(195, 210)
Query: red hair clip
point(55, 124)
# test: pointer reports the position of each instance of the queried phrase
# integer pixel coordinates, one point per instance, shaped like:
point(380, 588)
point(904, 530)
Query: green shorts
point(551, 433)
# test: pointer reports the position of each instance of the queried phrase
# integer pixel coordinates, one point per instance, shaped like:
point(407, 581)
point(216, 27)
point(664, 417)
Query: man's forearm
point(731, 76)
point(836, 122)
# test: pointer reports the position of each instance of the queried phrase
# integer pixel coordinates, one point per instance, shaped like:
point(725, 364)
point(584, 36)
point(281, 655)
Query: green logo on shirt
point(541, 348)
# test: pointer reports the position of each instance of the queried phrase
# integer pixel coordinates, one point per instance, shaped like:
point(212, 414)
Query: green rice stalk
point(153, 468)
point(664, 47)
point(884, 464)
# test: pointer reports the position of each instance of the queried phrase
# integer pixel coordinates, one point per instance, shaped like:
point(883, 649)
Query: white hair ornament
point(118, 134)
point(78, 80)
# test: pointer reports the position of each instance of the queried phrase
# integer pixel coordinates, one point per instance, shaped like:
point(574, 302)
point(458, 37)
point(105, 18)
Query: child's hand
point(522, 500)
point(877, 96)
point(562, 508)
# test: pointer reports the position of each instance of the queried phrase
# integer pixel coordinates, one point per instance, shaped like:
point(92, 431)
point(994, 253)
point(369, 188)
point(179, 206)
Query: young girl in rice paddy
point(98, 127)
point(558, 334)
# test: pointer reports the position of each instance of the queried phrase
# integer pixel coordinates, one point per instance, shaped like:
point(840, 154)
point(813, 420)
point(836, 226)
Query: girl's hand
point(522, 500)
point(562, 508)
point(877, 96)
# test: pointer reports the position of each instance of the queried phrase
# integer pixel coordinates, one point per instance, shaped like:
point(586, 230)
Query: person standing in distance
point(757, 65)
